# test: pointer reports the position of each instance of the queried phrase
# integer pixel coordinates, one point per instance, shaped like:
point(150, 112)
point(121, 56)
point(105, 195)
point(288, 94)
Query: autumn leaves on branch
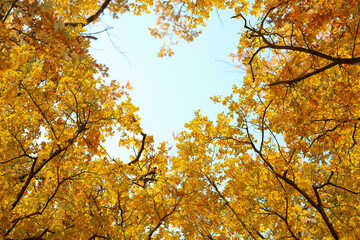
point(281, 162)
point(93, 17)
point(267, 42)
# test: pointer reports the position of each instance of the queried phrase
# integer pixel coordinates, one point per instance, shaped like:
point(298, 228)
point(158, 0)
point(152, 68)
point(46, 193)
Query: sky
point(169, 90)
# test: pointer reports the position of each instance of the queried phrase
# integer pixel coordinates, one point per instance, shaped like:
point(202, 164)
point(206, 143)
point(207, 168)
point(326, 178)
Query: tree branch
point(296, 80)
point(264, 35)
point(140, 151)
point(231, 208)
point(34, 171)
point(8, 13)
point(92, 18)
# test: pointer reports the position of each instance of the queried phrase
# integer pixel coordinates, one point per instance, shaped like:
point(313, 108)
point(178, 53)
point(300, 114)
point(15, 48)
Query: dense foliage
point(281, 162)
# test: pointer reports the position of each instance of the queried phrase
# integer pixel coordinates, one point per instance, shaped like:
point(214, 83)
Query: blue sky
point(169, 90)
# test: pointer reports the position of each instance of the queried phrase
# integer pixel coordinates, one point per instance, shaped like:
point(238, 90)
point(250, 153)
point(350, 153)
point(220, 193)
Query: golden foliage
point(281, 162)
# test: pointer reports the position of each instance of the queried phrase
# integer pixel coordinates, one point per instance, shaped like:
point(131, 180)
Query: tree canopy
point(281, 162)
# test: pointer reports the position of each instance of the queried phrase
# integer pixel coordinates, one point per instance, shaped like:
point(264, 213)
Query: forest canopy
point(281, 162)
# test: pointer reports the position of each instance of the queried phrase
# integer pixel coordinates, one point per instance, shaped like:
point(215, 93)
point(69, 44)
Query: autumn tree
point(57, 108)
point(283, 160)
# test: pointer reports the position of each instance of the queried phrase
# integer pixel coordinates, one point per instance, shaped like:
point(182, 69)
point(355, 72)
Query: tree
point(283, 161)
point(57, 180)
